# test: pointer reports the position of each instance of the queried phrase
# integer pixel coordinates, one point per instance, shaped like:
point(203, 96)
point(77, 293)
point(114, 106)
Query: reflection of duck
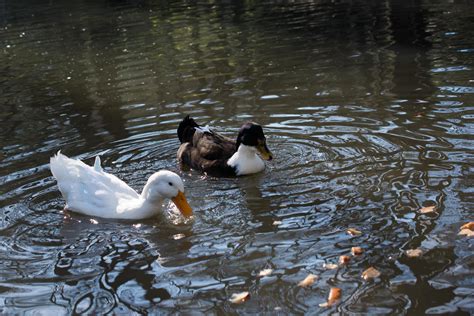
point(204, 150)
point(92, 191)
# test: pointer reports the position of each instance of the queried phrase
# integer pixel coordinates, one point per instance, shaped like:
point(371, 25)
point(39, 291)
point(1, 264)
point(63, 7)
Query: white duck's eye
point(171, 184)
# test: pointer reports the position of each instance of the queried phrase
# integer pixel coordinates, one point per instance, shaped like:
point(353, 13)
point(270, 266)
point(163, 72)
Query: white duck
point(91, 191)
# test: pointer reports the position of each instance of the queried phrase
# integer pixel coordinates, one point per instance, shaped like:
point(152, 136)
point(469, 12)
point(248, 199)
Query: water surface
point(368, 107)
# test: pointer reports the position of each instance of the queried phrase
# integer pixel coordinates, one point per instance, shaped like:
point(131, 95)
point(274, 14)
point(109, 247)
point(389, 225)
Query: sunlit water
point(368, 107)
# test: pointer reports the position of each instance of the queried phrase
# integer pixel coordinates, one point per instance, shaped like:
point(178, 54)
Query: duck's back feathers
point(206, 150)
point(89, 190)
point(213, 146)
point(190, 156)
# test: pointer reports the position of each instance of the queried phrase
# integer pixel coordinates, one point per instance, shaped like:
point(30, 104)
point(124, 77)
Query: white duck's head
point(167, 184)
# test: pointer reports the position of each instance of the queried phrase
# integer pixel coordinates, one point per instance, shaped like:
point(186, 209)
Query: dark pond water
point(368, 107)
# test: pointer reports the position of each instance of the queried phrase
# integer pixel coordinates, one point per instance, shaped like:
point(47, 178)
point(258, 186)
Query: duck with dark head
point(203, 149)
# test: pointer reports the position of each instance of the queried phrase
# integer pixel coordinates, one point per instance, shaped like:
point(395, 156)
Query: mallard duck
point(94, 192)
point(203, 149)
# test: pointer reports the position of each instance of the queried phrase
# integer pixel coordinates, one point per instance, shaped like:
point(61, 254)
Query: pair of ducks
point(94, 192)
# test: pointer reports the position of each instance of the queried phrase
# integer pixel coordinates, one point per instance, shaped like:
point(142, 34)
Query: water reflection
point(366, 105)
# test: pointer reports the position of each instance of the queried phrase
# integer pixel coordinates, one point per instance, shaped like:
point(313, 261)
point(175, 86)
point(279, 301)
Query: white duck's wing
point(89, 190)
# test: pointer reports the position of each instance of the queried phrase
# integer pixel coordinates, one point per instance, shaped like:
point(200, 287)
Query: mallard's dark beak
point(263, 150)
point(182, 204)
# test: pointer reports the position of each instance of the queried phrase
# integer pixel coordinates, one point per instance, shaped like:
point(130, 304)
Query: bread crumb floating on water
point(469, 226)
point(356, 251)
point(334, 296)
point(370, 273)
point(466, 232)
point(414, 253)
point(428, 209)
point(353, 232)
point(308, 281)
point(276, 223)
point(238, 298)
point(467, 229)
point(330, 266)
point(344, 260)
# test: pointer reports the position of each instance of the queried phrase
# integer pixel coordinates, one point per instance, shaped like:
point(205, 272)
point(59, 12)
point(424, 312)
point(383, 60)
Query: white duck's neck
point(143, 207)
point(148, 198)
point(138, 208)
point(246, 161)
point(145, 192)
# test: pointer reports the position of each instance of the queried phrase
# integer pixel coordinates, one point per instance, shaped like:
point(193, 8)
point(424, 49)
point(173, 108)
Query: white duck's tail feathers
point(58, 166)
point(75, 178)
point(97, 164)
point(63, 167)
point(55, 163)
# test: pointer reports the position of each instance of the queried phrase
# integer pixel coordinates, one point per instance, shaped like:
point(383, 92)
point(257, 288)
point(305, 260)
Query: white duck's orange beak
point(182, 204)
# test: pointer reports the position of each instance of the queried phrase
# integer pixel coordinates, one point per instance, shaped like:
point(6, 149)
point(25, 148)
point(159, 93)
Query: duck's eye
point(171, 184)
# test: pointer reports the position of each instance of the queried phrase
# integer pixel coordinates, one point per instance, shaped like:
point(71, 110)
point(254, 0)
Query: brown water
point(368, 107)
